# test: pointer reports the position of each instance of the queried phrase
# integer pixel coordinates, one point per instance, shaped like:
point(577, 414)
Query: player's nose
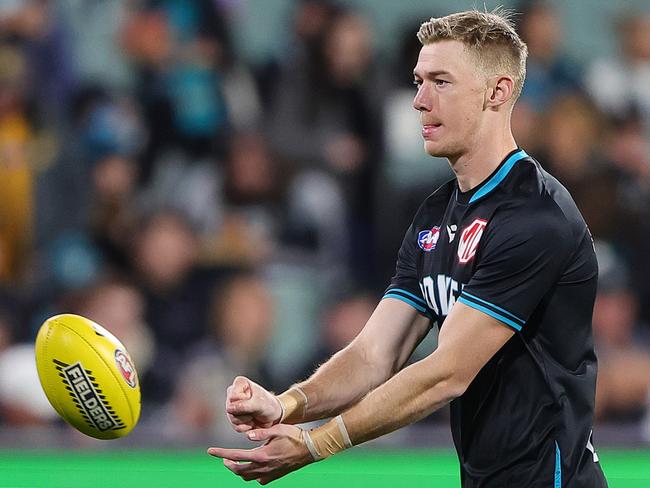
point(422, 100)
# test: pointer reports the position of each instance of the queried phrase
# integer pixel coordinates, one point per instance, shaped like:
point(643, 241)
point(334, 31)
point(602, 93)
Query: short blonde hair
point(490, 36)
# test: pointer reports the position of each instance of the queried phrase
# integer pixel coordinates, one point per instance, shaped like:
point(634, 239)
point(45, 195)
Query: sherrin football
point(88, 376)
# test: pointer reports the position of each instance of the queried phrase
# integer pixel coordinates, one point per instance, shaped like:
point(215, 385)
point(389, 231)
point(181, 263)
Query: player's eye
point(417, 84)
point(439, 82)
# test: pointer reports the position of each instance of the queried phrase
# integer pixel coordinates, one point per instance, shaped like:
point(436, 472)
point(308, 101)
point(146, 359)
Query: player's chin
point(435, 149)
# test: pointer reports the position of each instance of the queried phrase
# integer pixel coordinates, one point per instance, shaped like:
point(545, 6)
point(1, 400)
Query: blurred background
point(224, 184)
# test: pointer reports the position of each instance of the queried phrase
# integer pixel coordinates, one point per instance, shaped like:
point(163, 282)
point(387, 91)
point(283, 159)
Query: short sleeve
point(522, 257)
point(404, 285)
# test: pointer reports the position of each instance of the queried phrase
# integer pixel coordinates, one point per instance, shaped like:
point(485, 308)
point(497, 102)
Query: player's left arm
point(467, 341)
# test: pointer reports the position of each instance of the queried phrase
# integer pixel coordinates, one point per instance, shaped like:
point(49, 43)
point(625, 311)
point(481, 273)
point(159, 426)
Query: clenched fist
point(249, 406)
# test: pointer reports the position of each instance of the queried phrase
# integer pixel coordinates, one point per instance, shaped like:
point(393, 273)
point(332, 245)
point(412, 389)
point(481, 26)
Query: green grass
point(189, 469)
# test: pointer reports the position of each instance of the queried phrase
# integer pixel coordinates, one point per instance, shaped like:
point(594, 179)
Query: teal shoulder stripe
point(499, 176)
point(513, 316)
point(491, 313)
point(409, 294)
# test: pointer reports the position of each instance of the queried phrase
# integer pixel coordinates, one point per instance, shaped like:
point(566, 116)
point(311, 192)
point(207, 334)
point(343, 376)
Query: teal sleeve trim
point(491, 313)
point(417, 307)
point(408, 293)
point(497, 308)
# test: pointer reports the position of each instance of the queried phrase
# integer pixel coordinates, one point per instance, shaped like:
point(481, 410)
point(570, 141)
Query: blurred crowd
point(225, 217)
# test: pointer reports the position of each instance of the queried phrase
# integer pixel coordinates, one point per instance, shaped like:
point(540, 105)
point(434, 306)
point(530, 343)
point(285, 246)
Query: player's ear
point(500, 89)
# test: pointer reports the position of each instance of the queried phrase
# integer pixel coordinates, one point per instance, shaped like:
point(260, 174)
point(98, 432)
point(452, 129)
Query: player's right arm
point(388, 339)
point(377, 353)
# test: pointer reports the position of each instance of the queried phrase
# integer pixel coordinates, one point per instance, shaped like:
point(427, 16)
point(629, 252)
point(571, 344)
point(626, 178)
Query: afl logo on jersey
point(469, 240)
point(427, 239)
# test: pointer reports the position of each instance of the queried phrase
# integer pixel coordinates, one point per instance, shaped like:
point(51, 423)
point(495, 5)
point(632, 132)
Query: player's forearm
point(407, 397)
point(341, 382)
point(381, 349)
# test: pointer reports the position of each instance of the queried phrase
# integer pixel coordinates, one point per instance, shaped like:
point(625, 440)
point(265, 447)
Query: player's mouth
point(429, 131)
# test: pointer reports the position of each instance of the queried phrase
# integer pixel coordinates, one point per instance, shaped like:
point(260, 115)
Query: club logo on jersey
point(427, 239)
point(126, 368)
point(469, 240)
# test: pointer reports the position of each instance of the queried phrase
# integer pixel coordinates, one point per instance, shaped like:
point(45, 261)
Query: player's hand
point(284, 451)
point(249, 406)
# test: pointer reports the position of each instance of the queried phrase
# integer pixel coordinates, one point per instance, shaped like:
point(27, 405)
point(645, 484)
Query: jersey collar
point(492, 181)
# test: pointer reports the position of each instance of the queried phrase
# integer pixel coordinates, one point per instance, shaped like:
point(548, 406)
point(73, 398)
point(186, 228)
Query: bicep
point(467, 341)
point(392, 333)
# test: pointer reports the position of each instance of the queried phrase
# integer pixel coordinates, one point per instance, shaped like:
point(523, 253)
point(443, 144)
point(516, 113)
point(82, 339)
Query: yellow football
point(88, 376)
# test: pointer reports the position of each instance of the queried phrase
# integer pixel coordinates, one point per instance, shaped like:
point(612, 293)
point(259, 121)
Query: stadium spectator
point(623, 346)
point(94, 42)
point(620, 84)
point(191, 84)
point(549, 71)
point(39, 31)
point(628, 152)
point(343, 319)
point(16, 166)
point(176, 294)
point(22, 400)
point(325, 117)
point(241, 322)
point(119, 307)
point(112, 216)
point(574, 129)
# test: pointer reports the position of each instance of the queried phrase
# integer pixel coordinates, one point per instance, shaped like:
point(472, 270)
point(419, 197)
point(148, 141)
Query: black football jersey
point(516, 248)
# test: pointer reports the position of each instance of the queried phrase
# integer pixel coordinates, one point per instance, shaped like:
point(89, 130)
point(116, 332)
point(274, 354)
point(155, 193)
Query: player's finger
point(266, 479)
point(261, 434)
point(243, 407)
point(256, 469)
point(240, 419)
point(243, 428)
point(228, 394)
point(235, 454)
point(235, 396)
point(241, 388)
point(240, 426)
point(237, 468)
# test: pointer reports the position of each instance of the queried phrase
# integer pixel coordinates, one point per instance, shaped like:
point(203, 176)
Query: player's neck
point(480, 161)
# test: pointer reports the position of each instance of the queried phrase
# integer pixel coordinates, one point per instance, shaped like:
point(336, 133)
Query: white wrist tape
point(294, 405)
point(344, 432)
point(310, 445)
point(328, 439)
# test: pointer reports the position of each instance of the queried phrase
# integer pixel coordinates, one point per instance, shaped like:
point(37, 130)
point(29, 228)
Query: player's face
point(450, 98)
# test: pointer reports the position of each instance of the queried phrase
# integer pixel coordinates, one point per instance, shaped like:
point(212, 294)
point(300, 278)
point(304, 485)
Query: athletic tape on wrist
point(304, 396)
point(344, 432)
point(310, 446)
point(294, 405)
point(282, 411)
point(328, 439)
